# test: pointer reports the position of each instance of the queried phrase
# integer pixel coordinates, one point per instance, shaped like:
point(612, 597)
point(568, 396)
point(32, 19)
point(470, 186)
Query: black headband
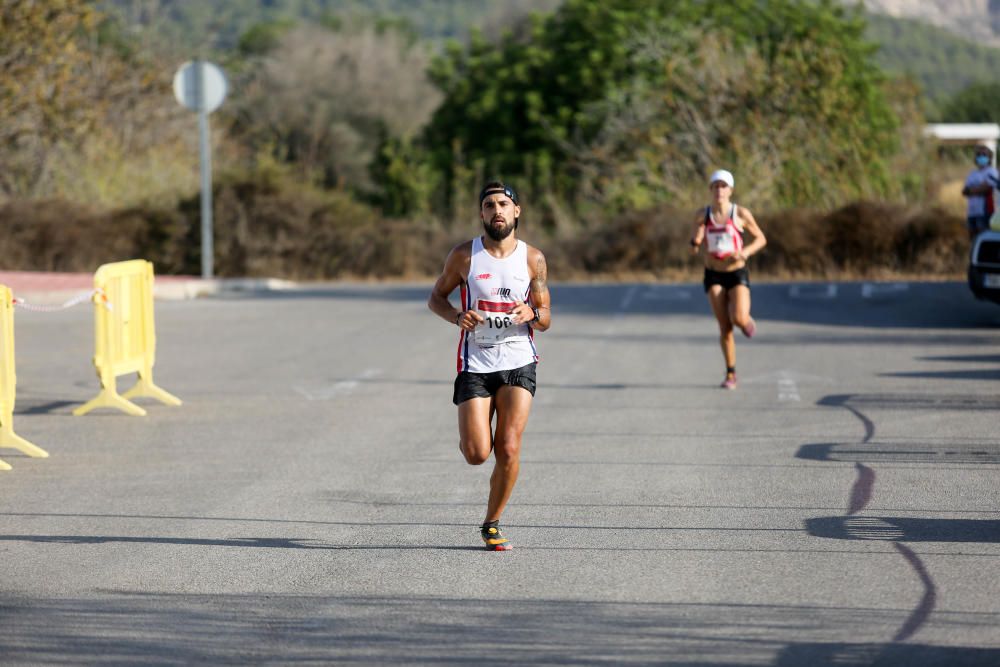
point(498, 190)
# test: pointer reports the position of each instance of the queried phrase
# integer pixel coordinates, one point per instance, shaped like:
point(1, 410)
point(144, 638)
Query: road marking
point(787, 381)
point(338, 388)
point(868, 290)
point(787, 389)
point(669, 294)
point(626, 301)
point(826, 292)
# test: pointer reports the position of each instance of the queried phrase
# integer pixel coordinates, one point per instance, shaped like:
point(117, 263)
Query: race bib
point(721, 244)
point(498, 325)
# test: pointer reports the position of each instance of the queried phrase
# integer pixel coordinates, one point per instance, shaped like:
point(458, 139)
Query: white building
point(966, 133)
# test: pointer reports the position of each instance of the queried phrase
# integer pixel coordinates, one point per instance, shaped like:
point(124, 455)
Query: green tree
point(978, 103)
point(43, 52)
point(405, 178)
point(262, 38)
point(942, 62)
point(541, 101)
point(84, 113)
point(322, 101)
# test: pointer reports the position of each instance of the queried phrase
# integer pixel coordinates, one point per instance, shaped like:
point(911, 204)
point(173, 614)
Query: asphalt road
point(308, 503)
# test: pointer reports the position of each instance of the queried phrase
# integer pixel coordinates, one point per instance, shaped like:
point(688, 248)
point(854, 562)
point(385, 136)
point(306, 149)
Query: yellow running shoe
point(493, 538)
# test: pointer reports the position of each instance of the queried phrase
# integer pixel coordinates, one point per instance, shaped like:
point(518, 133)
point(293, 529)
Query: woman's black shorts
point(728, 279)
point(483, 385)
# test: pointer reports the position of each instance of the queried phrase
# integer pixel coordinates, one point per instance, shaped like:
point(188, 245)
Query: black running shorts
point(483, 385)
point(728, 279)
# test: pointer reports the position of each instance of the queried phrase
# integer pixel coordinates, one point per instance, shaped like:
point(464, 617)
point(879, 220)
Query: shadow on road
point(29, 407)
point(241, 542)
point(940, 450)
point(878, 655)
point(949, 452)
point(112, 627)
point(964, 374)
point(905, 529)
point(921, 402)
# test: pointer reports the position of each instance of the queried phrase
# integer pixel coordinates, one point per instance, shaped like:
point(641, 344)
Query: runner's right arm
point(697, 232)
point(456, 268)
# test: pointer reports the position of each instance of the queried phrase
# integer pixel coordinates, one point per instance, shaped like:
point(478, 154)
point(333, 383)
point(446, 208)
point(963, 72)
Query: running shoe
point(493, 537)
point(729, 382)
point(750, 329)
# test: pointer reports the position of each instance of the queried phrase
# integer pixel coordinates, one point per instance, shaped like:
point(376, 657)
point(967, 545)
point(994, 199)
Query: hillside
point(977, 20)
point(218, 25)
point(924, 39)
point(942, 63)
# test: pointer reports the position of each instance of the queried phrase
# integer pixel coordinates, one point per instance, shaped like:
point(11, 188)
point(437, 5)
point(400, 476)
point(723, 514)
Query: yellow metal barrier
point(124, 336)
point(8, 382)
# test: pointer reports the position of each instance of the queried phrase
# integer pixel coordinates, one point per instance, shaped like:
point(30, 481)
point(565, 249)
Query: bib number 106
point(497, 322)
point(495, 328)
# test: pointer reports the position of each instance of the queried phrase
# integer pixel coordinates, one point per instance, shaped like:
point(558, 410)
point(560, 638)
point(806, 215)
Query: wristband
point(458, 317)
point(537, 316)
point(694, 244)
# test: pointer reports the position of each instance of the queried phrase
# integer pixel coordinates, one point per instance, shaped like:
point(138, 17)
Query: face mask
point(982, 160)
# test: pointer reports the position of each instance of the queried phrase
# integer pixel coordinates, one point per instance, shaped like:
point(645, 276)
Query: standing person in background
point(505, 299)
point(978, 191)
point(721, 227)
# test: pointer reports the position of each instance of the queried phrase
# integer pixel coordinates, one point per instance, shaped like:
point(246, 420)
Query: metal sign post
point(201, 87)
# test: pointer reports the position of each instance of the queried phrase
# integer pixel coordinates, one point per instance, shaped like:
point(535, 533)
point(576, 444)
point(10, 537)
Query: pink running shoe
point(729, 382)
point(750, 329)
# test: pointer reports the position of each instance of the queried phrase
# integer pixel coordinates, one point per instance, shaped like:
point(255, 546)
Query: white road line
point(669, 294)
point(338, 388)
point(626, 301)
point(868, 290)
point(826, 292)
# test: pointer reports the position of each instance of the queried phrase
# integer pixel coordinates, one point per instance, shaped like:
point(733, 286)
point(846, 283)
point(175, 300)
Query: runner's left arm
point(539, 294)
point(751, 227)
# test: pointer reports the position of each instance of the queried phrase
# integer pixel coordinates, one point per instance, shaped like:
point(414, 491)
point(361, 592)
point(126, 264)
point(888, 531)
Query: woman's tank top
point(492, 288)
point(724, 239)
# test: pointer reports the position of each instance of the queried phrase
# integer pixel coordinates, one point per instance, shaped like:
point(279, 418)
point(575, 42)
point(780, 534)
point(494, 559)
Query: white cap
point(722, 175)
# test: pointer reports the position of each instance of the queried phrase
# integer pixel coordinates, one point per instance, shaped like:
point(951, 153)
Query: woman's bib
point(723, 239)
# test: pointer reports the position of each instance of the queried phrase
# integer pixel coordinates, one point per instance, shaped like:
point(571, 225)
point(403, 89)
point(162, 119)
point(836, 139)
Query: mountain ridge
point(976, 20)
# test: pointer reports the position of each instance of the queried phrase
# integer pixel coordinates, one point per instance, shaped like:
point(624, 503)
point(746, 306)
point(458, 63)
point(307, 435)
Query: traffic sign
point(200, 86)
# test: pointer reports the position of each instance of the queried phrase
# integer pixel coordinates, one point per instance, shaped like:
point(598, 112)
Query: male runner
point(505, 299)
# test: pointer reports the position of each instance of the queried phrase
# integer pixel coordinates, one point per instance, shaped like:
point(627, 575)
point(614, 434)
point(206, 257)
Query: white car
point(984, 266)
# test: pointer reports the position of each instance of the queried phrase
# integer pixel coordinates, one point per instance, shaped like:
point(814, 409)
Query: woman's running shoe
point(750, 329)
point(493, 537)
point(729, 382)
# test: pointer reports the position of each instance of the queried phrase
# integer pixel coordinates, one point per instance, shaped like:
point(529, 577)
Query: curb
point(52, 289)
point(177, 290)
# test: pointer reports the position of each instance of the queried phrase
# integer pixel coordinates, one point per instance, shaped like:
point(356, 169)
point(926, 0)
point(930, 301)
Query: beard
point(498, 231)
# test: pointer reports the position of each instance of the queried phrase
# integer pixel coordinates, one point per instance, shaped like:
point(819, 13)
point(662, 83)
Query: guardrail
point(124, 336)
point(8, 383)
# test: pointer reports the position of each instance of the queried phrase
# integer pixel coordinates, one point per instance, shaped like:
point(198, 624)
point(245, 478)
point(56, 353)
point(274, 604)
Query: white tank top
point(724, 239)
point(492, 288)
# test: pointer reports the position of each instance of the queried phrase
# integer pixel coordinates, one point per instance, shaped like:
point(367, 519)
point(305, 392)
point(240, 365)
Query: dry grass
point(864, 240)
point(281, 229)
